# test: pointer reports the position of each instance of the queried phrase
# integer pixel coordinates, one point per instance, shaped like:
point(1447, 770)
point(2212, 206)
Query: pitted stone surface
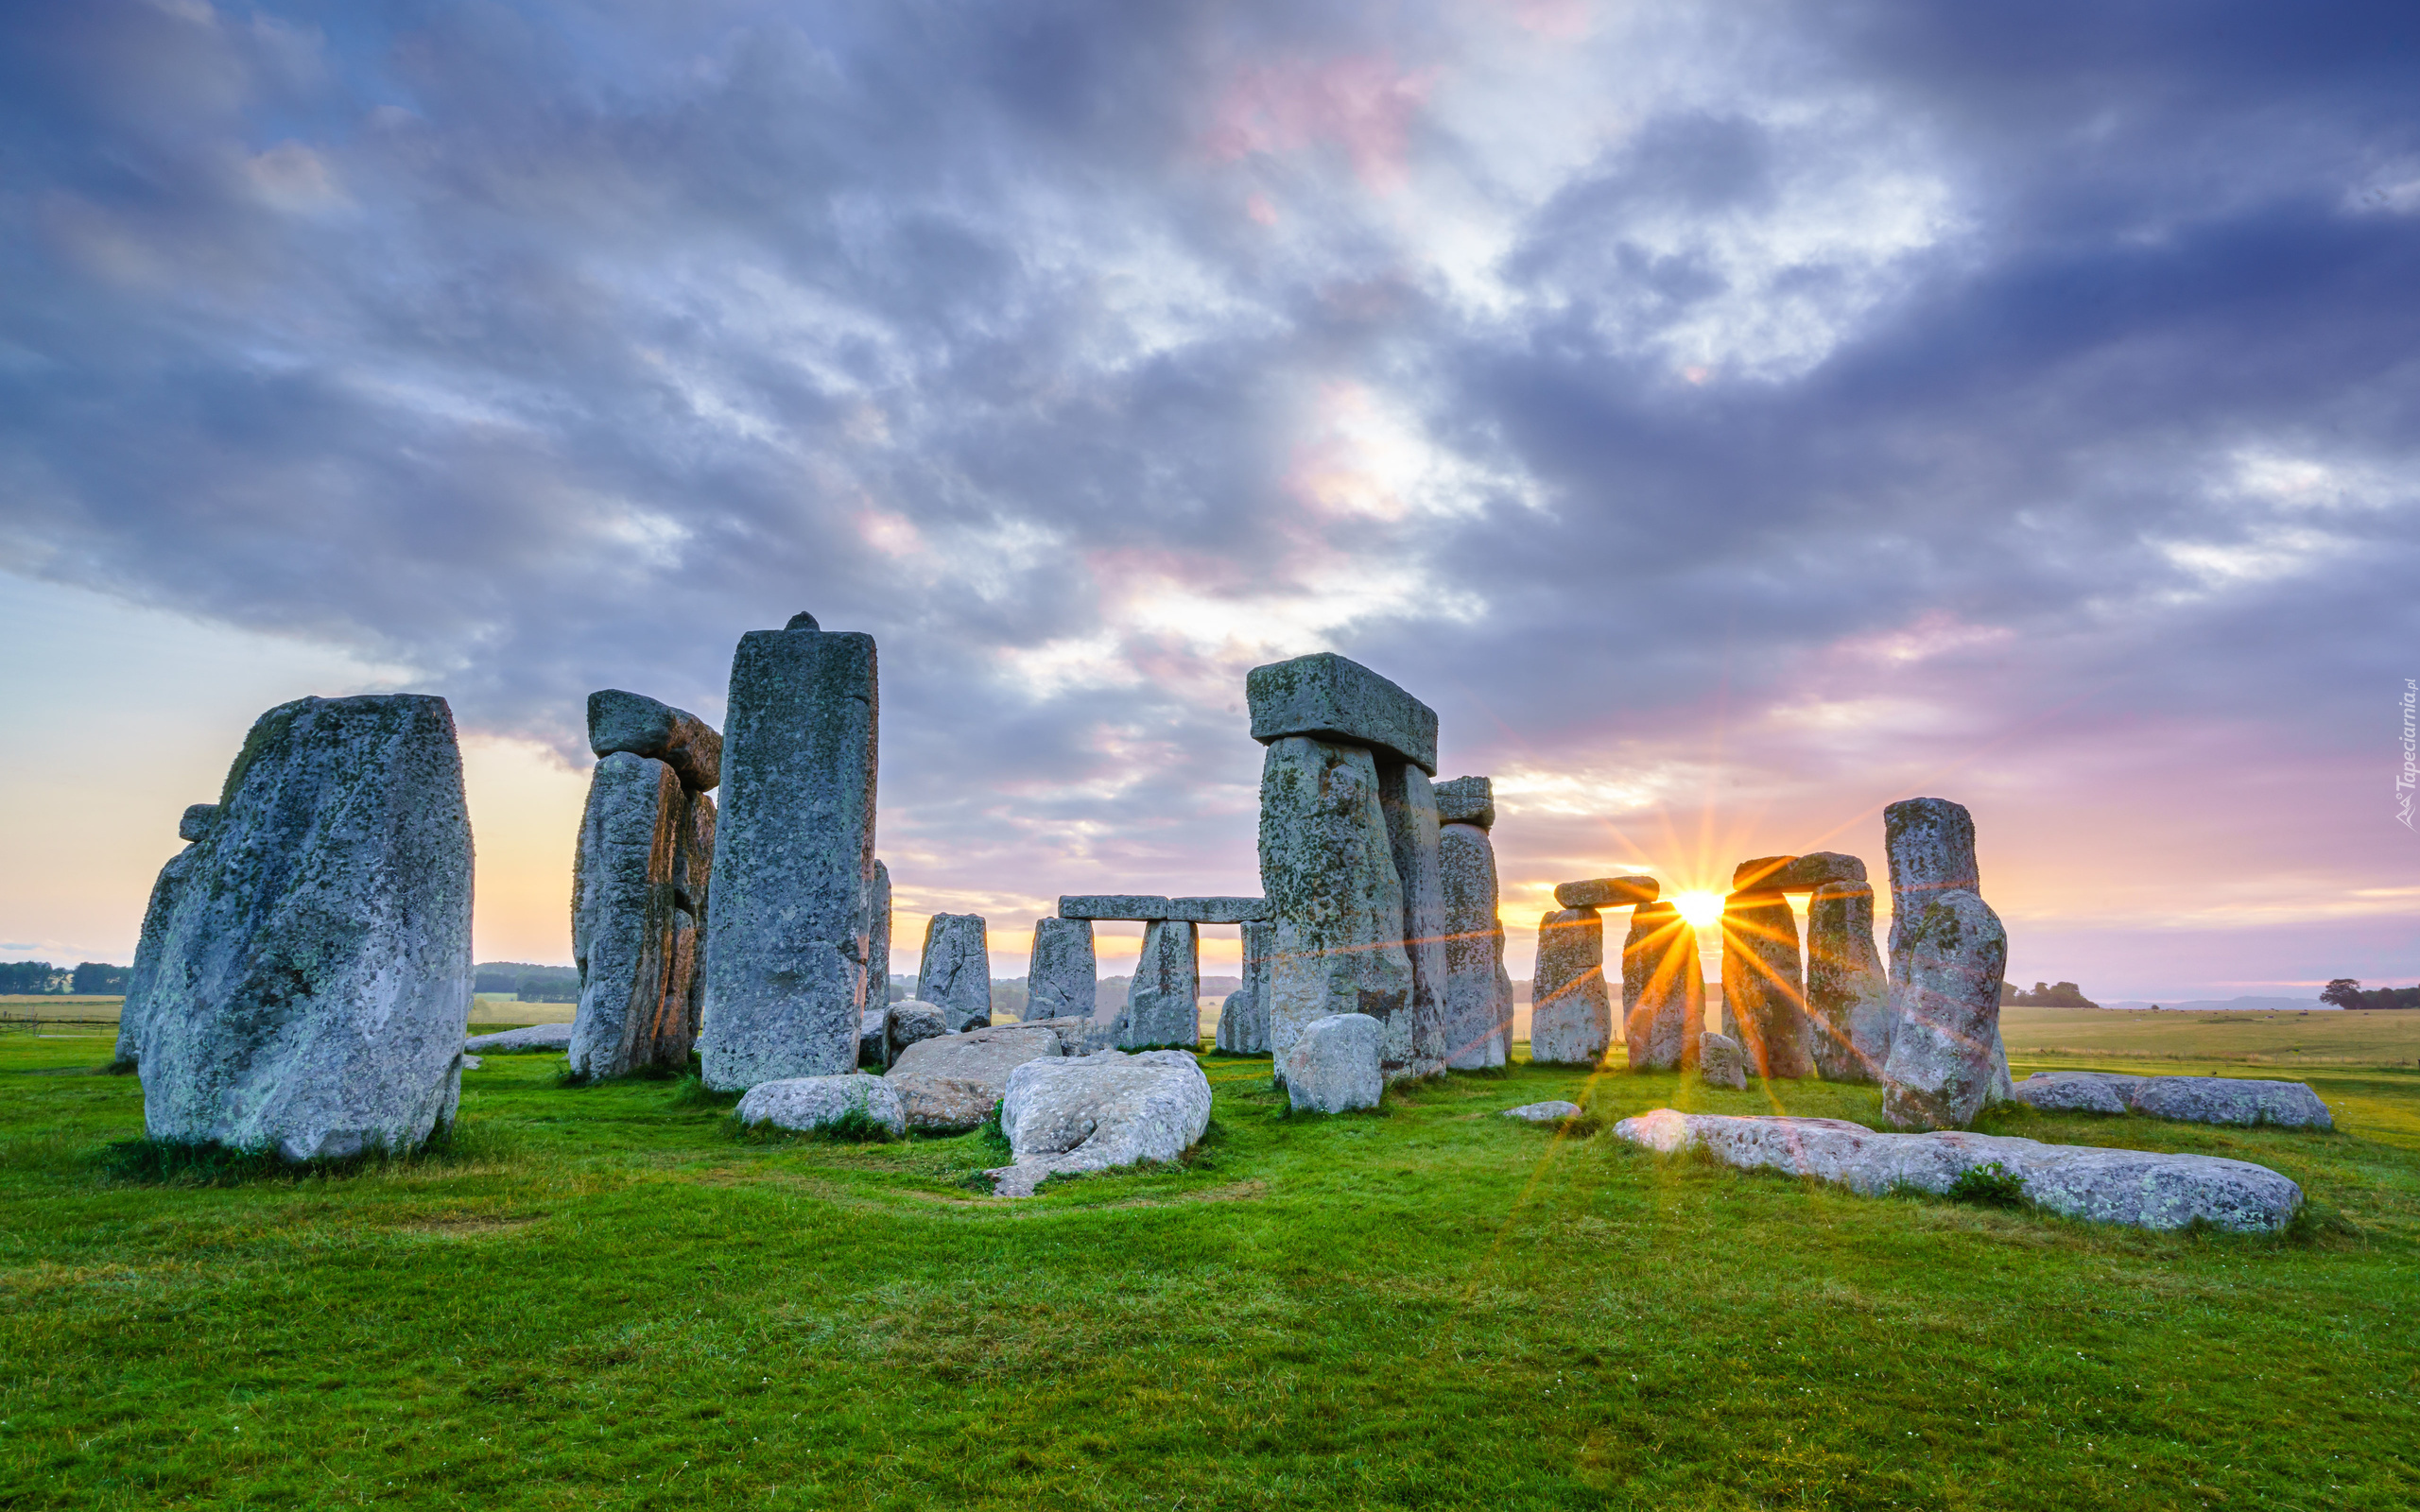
point(1243, 1018)
point(1945, 1058)
point(1063, 977)
point(1467, 800)
point(196, 820)
point(1758, 875)
point(1607, 892)
point(1098, 1112)
point(619, 721)
point(907, 1021)
point(1145, 907)
point(1479, 991)
point(1571, 1014)
point(2191, 1099)
point(871, 1045)
point(1332, 1067)
point(1327, 866)
point(1721, 1062)
point(789, 925)
point(1816, 869)
point(1410, 804)
point(536, 1038)
point(1663, 991)
point(1764, 994)
point(1163, 999)
point(1330, 699)
point(956, 974)
point(951, 1083)
point(1548, 1112)
point(878, 938)
point(1930, 842)
point(1848, 993)
point(810, 1103)
point(144, 973)
point(313, 976)
point(623, 900)
point(2130, 1187)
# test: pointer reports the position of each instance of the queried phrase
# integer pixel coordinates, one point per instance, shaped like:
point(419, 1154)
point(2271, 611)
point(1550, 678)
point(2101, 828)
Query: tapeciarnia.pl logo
point(2405, 779)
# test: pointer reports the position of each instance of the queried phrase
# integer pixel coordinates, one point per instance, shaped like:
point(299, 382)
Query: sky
point(1732, 417)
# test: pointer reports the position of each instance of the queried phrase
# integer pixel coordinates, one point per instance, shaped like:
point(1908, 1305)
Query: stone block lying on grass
point(1546, 1112)
point(2138, 1187)
point(538, 1037)
point(2189, 1099)
point(1333, 1067)
point(950, 1083)
point(1097, 1111)
point(810, 1103)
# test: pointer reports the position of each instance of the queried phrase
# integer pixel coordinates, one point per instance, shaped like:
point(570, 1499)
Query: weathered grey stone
point(622, 908)
point(871, 1045)
point(1330, 699)
point(535, 1039)
point(1327, 867)
point(196, 820)
point(1164, 1000)
point(1332, 1066)
point(1063, 975)
point(1930, 842)
point(1815, 869)
point(905, 1023)
point(1098, 1112)
point(1479, 990)
point(313, 976)
point(1410, 808)
point(951, 1082)
point(1145, 907)
point(1663, 989)
point(1946, 966)
point(810, 1103)
point(2191, 1099)
point(789, 925)
point(1607, 892)
point(1758, 875)
point(2132, 1187)
point(878, 938)
point(1243, 1018)
point(1848, 993)
point(1078, 1036)
point(956, 974)
point(1763, 994)
point(1571, 1016)
point(683, 1009)
point(1721, 1062)
point(1548, 1112)
point(144, 973)
point(1467, 800)
point(1219, 910)
point(642, 726)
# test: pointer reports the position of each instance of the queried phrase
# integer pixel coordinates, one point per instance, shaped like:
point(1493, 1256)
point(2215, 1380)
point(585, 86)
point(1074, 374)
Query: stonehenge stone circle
point(1945, 1003)
point(619, 721)
point(1243, 1018)
point(1479, 990)
point(192, 827)
point(1467, 800)
point(1327, 868)
point(1063, 978)
point(1663, 989)
point(1410, 807)
point(313, 976)
point(2130, 1187)
point(1332, 1066)
point(1164, 1000)
point(1607, 892)
point(955, 972)
point(1330, 699)
point(810, 1103)
point(1848, 993)
point(1721, 1062)
point(1098, 1113)
point(789, 925)
point(633, 1000)
point(1764, 997)
point(1571, 1019)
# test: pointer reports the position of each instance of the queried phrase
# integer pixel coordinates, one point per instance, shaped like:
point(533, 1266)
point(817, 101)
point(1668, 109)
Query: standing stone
point(1764, 998)
point(1063, 978)
point(1411, 806)
point(878, 940)
point(789, 925)
point(1721, 1064)
point(191, 826)
point(313, 976)
point(1163, 1000)
point(1467, 800)
point(622, 920)
point(1663, 989)
point(1931, 846)
point(954, 974)
point(1243, 1018)
point(1479, 991)
point(1571, 1019)
point(1945, 1002)
point(1327, 867)
point(1848, 993)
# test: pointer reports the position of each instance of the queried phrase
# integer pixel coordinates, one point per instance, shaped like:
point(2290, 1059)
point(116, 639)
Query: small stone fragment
point(1548, 1112)
point(1329, 697)
point(951, 1083)
point(1467, 800)
point(619, 721)
point(1572, 1017)
point(1332, 1067)
point(1607, 892)
point(810, 1103)
point(956, 974)
point(1721, 1062)
point(1098, 1112)
point(1063, 977)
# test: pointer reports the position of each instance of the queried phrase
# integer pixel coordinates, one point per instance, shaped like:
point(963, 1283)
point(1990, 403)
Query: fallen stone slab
point(1467, 800)
point(537, 1038)
point(1099, 1111)
point(1546, 1112)
point(633, 722)
point(1721, 1062)
point(1332, 1066)
point(2187, 1099)
point(2138, 1187)
point(1607, 892)
point(1329, 697)
point(810, 1103)
point(950, 1083)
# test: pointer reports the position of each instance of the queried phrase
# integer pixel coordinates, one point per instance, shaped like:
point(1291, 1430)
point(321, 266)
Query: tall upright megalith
point(1848, 993)
point(790, 923)
point(624, 919)
point(1948, 956)
point(1062, 979)
point(1479, 990)
point(191, 826)
point(1571, 1018)
point(954, 973)
point(1163, 1000)
point(1663, 989)
point(1243, 1018)
point(1409, 803)
point(313, 974)
point(1764, 991)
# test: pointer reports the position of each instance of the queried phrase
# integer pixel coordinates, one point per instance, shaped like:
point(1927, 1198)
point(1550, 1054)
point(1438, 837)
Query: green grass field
point(599, 1298)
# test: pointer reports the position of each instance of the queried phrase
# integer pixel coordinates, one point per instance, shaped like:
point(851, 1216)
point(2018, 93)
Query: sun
point(1698, 908)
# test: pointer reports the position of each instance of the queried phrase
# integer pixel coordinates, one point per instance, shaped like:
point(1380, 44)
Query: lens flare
point(1699, 908)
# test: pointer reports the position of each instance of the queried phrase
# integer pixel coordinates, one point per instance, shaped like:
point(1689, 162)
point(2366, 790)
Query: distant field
point(2316, 1039)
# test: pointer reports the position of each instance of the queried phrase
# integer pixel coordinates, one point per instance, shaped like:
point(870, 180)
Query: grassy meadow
point(598, 1297)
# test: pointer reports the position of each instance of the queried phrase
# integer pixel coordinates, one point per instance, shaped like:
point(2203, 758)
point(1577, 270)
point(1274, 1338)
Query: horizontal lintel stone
point(1330, 698)
point(1148, 908)
point(1607, 892)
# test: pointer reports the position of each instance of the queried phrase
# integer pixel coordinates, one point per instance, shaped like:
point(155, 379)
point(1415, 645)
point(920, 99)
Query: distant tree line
point(91, 979)
point(2045, 995)
point(2347, 993)
point(528, 983)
